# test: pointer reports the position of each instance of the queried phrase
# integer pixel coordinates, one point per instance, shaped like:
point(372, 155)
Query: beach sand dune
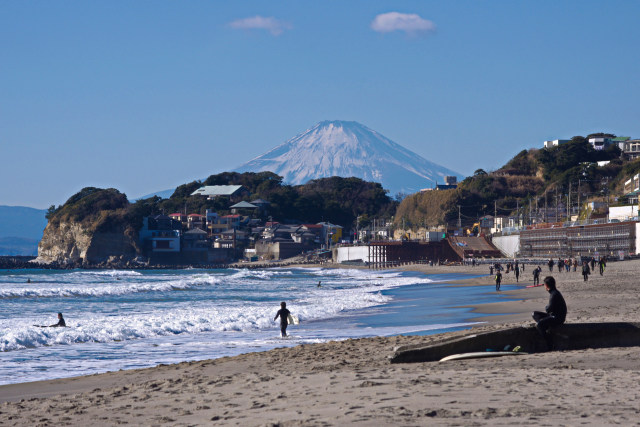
point(352, 382)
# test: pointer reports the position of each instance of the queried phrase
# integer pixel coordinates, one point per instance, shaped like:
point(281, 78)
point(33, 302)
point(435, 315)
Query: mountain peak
point(348, 148)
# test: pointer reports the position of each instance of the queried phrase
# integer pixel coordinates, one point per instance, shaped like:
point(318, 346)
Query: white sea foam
point(97, 289)
point(191, 317)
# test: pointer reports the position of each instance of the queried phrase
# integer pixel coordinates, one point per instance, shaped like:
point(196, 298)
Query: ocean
point(119, 319)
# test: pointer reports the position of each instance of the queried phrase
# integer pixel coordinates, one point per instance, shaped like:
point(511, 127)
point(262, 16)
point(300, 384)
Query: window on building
point(163, 244)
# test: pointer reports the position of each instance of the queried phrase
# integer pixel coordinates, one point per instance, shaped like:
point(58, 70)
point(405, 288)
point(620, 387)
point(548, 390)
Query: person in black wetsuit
point(585, 271)
point(283, 313)
point(61, 323)
point(555, 312)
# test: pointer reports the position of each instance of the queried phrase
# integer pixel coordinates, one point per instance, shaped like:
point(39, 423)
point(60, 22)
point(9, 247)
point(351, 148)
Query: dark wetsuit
point(556, 313)
point(283, 313)
point(60, 323)
point(585, 271)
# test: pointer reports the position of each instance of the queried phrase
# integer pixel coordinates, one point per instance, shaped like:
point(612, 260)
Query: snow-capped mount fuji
point(346, 149)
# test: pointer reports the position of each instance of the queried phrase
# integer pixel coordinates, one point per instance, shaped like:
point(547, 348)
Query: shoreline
point(348, 382)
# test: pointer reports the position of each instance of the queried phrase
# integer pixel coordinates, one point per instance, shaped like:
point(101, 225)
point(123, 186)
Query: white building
point(600, 142)
point(555, 143)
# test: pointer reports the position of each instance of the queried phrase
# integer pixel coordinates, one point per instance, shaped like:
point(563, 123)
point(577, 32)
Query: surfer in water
point(61, 323)
point(555, 312)
point(283, 313)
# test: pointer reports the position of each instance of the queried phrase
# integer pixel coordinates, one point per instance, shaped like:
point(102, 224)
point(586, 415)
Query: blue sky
point(146, 95)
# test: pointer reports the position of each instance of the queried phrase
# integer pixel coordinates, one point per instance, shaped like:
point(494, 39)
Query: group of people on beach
point(564, 265)
point(588, 265)
point(516, 267)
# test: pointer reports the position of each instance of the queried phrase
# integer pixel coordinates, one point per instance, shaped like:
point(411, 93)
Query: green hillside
point(567, 174)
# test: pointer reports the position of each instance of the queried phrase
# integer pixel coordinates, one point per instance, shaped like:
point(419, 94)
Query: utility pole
point(569, 204)
point(459, 220)
point(555, 218)
point(579, 205)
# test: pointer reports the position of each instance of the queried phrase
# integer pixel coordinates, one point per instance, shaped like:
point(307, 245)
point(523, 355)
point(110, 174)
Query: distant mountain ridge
point(344, 148)
point(20, 229)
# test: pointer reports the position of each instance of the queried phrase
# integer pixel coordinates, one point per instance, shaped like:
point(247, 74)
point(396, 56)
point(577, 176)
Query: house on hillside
point(331, 233)
point(243, 206)
point(160, 233)
point(232, 239)
point(178, 217)
point(632, 189)
point(555, 143)
point(262, 205)
point(196, 221)
point(600, 142)
point(213, 191)
point(630, 148)
point(195, 240)
point(280, 241)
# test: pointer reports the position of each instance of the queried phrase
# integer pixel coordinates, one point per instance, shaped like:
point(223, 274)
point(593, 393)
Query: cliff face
point(75, 243)
point(92, 227)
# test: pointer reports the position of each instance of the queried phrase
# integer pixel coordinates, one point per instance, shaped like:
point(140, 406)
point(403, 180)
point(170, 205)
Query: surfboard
point(292, 320)
point(481, 354)
point(535, 286)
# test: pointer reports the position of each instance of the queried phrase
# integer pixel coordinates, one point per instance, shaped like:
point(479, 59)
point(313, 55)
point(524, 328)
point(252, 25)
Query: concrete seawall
point(572, 336)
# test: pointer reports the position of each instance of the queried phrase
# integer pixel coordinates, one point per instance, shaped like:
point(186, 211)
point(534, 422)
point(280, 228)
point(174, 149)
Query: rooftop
point(216, 190)
point(243, 205)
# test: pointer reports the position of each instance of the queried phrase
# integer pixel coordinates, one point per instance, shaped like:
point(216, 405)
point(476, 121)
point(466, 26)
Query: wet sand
point(352, 382)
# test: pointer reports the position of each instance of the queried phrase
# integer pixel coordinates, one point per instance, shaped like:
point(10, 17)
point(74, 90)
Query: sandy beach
point(352, 382)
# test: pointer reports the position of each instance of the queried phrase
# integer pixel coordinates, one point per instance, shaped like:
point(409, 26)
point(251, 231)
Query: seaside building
point(630, 148)
point(160, 233)
point(555, 143)
point(213, 191)
point(196, 221)
point(600, 143)
point(632, 189)
point(243, 206)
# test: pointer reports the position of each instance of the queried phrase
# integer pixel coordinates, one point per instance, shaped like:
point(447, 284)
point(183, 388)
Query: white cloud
point(270, 24)
point(407, 22)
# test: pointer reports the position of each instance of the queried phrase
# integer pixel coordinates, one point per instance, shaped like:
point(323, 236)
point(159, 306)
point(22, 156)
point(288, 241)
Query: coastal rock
point(74, 243)
point(91, 228)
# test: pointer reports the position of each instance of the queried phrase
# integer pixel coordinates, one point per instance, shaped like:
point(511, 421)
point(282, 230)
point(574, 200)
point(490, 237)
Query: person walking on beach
point(602, 263)
point(536, 276)
point(555, 312)
point(490, 269)
point(585, 271)
point(516, 270)
point(283, 313)
point(550, 264)
point(498, 280)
